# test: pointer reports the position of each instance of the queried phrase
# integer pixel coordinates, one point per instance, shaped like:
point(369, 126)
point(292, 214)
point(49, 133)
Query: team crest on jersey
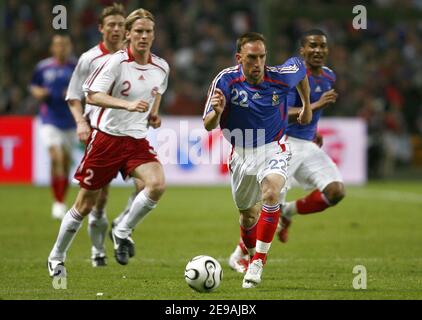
point(318, 89)
point(275, 99)
point(50, 75)
point(154, 91)
point(141, 77)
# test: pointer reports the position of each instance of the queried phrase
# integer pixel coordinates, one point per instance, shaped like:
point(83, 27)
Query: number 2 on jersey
point(125, 91)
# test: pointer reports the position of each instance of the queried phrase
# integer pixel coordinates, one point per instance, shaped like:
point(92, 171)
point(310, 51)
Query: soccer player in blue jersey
point(248, 102)
point(49, 84)
point(310, 165)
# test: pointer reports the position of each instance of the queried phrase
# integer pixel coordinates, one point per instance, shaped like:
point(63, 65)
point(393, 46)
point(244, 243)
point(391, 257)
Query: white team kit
point(87, 63)
point(122, 77)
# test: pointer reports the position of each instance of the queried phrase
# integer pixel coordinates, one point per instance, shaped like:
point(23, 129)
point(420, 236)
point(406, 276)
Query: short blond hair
point(137, 14)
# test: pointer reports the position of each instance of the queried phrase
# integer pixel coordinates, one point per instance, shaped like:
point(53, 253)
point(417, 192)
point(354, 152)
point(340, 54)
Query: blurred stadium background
point(379, 80)
point(379, 70)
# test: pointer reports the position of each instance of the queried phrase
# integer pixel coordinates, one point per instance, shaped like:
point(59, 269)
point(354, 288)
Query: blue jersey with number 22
point(251, 108)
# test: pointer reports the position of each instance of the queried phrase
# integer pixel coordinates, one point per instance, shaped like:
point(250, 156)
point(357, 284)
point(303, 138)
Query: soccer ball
point(203, 273)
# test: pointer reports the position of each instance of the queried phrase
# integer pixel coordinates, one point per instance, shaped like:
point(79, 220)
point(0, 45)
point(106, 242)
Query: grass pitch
point(378, 226)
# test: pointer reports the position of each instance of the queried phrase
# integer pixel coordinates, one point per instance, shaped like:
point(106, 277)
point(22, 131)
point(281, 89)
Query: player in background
point(48, 85)
point(128, 89)
point(248, 101)
point(112, 27)
point(309, 164)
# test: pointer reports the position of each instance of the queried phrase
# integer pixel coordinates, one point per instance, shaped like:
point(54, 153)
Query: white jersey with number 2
point(122, 77)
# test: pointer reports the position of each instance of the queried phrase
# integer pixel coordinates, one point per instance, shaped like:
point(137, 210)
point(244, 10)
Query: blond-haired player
point(127, 88)
point(111, 25)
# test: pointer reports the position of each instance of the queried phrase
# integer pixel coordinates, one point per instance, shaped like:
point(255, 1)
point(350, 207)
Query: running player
point(112, 27)
point(310, 165)
point(248, 101)
point(117, 142)
point(48, 85)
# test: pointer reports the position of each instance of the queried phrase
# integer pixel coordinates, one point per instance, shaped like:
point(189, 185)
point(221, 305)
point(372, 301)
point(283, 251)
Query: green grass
point(378, 226)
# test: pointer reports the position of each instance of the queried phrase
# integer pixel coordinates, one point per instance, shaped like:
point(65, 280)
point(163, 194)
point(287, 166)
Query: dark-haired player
point(248, 102)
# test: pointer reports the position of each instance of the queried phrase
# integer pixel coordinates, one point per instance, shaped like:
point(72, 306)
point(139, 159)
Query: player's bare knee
point(85, 201)
point(335, 192)
point(84, 207)
point(156, 189)
point(139, 185)
point(248, 218)
point(270, 195)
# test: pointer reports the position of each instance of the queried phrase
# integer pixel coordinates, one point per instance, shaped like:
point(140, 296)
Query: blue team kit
point(318, 85)
point(55, 77)
point(261, 106)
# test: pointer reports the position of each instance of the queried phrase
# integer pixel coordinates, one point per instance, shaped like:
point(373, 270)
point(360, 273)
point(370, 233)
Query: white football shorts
point(310, 166)
point(249, 166)
point(53, 136)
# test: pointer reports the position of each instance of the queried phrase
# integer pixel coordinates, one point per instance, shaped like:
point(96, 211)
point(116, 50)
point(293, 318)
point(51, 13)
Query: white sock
point(141, 206)
point(70, 225)
point(126, 209)
point(262, 247)
point(289, 210)
point(97, 229)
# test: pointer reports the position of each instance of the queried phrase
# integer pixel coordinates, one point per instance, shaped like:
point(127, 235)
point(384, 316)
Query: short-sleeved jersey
point(251, 108)
point(87, 63)
point(122, 77)
point(55, 77)
point(318, 85)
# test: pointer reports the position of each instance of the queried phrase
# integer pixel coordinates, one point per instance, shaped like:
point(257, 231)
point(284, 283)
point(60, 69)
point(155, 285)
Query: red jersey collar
point(103, 48)
point(132, 58)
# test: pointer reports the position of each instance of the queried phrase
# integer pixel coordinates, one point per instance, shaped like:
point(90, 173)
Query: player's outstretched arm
point(305, 115)
point(218, 102)
point(104, 100)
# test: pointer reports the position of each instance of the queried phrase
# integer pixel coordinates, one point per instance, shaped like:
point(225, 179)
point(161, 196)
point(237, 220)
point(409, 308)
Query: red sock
point(60, 186)
point(243, 247)
point(314, 202)
point(267, 225)
point(248, 236)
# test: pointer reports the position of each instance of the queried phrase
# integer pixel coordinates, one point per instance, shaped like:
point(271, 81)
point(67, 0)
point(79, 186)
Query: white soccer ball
point(203, 273)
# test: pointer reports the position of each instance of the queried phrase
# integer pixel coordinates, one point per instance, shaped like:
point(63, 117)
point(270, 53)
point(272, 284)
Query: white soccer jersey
point(122, 77)
point(87, 63)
